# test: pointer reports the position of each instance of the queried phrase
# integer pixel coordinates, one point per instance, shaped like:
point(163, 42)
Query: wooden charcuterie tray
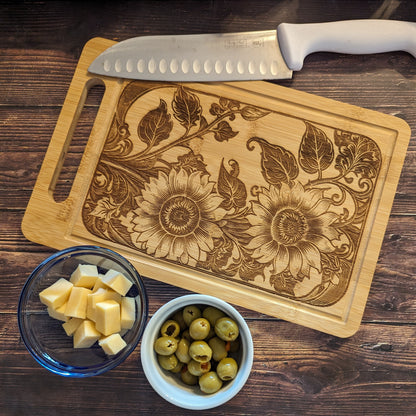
point(269, 198)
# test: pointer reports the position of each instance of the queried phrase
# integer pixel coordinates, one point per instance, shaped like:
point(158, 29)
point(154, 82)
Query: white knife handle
point(368, 36)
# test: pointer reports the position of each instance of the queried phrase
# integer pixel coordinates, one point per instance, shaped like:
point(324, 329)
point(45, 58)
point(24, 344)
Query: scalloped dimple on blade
point(216, 57)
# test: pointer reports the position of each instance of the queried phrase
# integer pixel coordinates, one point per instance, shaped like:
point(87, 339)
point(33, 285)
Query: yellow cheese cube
point(86, 335)
point(92, 300)
point(112, 344)
point(113, 295)
point(128, 312)
point(99, 296)
point(99, 283)
point(76, 306)
point(58, 313)
point(84, 275)
point(107, 317)
point(117, 281)
point(56, 294)
point(72, 325)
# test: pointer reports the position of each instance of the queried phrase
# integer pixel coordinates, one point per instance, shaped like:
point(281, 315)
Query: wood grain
point(359, 375)
point(296, 371)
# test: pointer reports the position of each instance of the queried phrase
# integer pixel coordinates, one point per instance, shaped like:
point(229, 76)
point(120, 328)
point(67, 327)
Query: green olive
point(170, 328)
point(218, 347)
point(210, 382)
point(185, 335)
point(226, 329)
point(190, 313)
point(166, 345)
point(167, 362)
point(194, 344)
point(227, 369)
point(200, 351)
point(182, 352)
point(199, 328)
point(188, 378)
point(212, 314)
point(211, 333)
point(178, 317)
point(178, 368)
point(197, 369)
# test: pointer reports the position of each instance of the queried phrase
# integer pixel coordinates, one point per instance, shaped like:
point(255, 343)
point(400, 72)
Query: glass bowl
point(167, 384)
point(44, 336)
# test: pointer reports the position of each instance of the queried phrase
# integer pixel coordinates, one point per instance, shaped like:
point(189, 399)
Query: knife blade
point(260, 55)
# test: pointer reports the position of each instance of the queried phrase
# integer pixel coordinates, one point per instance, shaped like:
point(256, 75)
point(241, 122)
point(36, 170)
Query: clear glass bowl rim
point(67, 370)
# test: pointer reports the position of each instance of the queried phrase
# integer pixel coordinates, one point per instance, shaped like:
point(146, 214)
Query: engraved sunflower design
point(291, 227)
point(176, 217)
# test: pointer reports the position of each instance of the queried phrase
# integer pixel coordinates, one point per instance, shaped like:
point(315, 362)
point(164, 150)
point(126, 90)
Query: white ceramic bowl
point(168, 385)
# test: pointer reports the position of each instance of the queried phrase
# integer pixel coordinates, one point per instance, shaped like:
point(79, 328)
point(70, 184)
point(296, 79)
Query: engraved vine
point(284, 231)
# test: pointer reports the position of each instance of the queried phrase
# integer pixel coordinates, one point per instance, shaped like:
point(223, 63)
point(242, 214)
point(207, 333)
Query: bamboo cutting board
point(269, 198)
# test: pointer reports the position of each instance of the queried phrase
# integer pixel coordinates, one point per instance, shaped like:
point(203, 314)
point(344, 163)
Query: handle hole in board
point(76, 141)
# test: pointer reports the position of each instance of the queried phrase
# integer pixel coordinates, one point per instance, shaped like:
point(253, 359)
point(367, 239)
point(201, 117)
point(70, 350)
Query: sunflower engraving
point(291, 227)
point(176, 217)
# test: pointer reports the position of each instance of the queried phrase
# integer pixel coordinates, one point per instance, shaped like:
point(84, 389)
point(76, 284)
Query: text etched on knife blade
point(244, 43)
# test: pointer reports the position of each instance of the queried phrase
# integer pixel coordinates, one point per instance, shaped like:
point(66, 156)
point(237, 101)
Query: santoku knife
point(269, 54)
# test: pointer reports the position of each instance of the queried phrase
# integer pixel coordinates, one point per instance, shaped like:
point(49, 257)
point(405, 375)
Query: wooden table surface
point(296, 371)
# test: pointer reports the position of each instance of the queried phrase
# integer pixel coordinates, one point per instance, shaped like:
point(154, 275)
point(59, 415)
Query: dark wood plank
point(296, 371)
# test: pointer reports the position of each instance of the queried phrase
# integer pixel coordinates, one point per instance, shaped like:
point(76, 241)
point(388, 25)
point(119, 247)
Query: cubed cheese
point(92, 307)
point(76, 306)
point(86, 335)
point(112, 344)
point(84, 275)
point(117, 281)
point(128, 312)
point(99, 296)
point(99, 283)
point(107, 317)
point(72, 325)
point(58, 313)
point(92, 300)
point(56, 294)
point(111, 295)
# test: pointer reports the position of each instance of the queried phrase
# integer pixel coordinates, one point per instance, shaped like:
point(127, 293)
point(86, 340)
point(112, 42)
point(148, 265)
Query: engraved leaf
point(229, 104)
point(358, 154)
point(284, 283)
point(186, 107)
point(224, 132)
point(118, 143)
point(138, 165)
point(191, 162)
point(316, 151)
point(203, 123)
point(218, 259)
point(331, 268)
point(155, 126)
point(231, 188)
point(216, 109)
point(105, 209)
point(251, 113)
point(250, 268)
point(278, 164)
